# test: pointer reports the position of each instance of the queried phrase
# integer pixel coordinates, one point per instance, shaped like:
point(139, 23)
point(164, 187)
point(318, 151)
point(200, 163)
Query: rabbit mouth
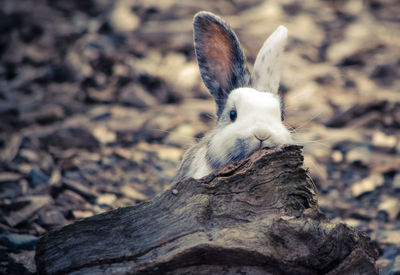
point(263, 145)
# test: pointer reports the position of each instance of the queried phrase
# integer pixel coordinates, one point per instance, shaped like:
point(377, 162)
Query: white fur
point(256, 111)
point(258, 123)
point(200, 167)
point(266, 73)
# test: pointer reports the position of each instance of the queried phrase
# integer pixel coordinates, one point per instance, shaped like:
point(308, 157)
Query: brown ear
point(221, 60)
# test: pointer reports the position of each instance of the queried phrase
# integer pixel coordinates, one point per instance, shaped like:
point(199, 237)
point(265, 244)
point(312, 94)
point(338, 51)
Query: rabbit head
point(249, 109)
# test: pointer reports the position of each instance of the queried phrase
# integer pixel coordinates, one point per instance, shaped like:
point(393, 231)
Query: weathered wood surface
point(259, 216)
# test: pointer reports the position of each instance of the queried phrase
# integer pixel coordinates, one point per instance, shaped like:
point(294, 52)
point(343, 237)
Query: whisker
point(169, 132)
point(308, 121)
point(304, 141)
point(315, 142)
point(210, 116)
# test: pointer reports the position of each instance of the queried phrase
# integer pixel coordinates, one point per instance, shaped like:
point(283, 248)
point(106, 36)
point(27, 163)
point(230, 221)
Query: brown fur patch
point(217, 49)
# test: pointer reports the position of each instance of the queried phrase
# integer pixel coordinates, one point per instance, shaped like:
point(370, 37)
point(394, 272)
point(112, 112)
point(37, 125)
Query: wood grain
point(258, 216)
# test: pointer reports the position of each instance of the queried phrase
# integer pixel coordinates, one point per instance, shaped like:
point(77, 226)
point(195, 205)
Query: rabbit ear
point(221, 60)
point(266, 74)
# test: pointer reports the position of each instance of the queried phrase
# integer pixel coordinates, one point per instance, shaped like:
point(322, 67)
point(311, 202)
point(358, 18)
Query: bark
point(258, 216)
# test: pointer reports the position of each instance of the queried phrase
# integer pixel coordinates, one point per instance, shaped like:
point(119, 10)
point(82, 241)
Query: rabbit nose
point(261, 134)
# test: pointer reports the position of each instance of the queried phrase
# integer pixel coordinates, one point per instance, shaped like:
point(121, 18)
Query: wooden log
point(258, 216)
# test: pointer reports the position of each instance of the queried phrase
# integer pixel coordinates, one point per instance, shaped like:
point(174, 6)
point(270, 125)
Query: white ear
point(266, 74)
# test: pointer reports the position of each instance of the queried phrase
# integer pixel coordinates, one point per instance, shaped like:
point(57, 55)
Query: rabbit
point(249, 110)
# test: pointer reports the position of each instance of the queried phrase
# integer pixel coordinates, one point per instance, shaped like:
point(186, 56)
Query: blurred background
point(100, 98)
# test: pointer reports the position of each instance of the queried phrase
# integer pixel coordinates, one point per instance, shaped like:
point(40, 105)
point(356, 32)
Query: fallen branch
point(257, 216)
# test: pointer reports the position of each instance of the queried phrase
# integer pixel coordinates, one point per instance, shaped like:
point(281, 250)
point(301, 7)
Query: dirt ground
point(100, 98)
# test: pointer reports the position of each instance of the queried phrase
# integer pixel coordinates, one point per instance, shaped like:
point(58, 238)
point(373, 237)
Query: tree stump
point(257, 216)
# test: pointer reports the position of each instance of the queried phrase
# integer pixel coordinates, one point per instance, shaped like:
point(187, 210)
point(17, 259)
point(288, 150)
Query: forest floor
point(100, 98)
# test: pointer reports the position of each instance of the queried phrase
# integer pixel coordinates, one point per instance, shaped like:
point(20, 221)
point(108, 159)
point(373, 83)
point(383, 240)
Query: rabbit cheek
point(219, 147)
point(239, 151)
point(279, 137)
point(213, 161)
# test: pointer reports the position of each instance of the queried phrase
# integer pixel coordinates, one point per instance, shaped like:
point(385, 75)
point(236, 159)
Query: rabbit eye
point(233, 115)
